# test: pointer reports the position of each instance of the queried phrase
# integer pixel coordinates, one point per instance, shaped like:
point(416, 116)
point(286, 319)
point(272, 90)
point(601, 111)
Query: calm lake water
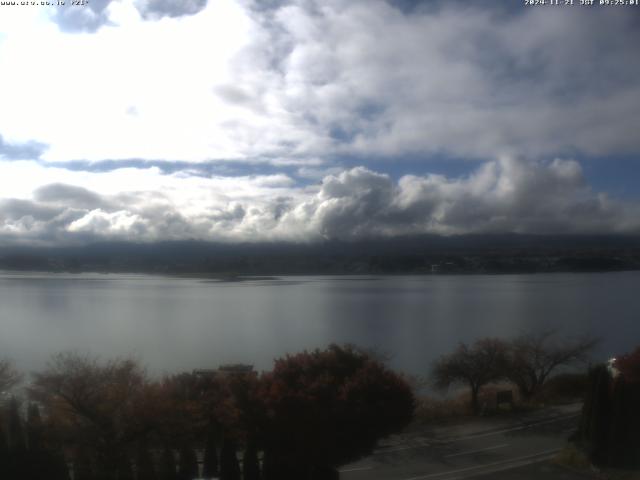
point(176, 324)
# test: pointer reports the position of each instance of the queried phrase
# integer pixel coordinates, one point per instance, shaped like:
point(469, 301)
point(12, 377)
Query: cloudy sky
point(254, 120)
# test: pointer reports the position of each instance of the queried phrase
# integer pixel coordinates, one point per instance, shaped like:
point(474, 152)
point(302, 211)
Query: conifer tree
point(167, 465)
point(124, 470)
point(210, 467)
point(144, 463)
point(17, 444)
point(188, 464)
point(229, 467)
point(250, 463)
point(36, 455)
point(35, 439)
point(57, 466)
point(83, 466)
point(4, 454)
point(18, 462)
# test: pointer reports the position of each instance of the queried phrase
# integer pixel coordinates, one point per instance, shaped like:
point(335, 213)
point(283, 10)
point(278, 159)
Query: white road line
point(445, 441)
point(397, 449)
point(512, 429)
point(511, 463)
point(502, 468)
point(477, 451)
point(354, 469)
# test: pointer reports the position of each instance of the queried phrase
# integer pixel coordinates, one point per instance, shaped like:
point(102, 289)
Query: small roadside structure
point(224, 370)
point(504, 397)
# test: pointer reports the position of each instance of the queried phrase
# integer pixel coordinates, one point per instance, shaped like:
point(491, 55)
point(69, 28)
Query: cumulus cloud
point(506, 195)
point(155, 9)
point(251, 79)
point(105, 224)
point(95, 14)
point(82, 18)
point(186, 119)
point(365, 77)
point(70, 195)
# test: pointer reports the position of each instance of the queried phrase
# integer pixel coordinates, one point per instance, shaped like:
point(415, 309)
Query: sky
point(306, 120)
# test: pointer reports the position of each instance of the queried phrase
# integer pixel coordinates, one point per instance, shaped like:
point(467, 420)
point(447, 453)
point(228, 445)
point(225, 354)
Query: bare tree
point(103, 406)
point(9, 376)
point(475, 365)
point(533, 357)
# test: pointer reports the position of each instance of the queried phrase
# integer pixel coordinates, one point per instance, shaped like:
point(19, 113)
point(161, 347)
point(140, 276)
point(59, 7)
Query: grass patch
point(572, 457)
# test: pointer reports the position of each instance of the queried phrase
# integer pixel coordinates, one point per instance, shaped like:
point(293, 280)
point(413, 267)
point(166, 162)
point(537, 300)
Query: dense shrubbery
point(25, 451)
point(326, 408)
point(610, 425)
point(109, 420)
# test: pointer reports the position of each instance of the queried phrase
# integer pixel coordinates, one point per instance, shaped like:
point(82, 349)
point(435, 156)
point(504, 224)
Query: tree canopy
point(476, 365)
point(328, 407)
point(102, 407)
point(9, 376)
point(629, 365)
point(533, 357)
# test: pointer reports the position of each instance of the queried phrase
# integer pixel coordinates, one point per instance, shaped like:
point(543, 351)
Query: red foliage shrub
point(328, 407)
point(629, 366)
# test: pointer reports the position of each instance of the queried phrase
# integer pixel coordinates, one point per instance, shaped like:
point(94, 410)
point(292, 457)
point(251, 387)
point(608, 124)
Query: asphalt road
point(475, 449)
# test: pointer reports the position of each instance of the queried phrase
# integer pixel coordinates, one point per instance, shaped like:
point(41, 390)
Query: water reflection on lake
point(178, 323)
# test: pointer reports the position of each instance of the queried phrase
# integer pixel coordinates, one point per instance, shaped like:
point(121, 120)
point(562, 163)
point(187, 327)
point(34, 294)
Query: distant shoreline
point(464, 255)
point(276, 276)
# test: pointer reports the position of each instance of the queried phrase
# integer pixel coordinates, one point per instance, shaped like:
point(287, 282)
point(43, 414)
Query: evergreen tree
point(144, 463)
point(4, 454)
point(36, 454)
point(35, 439)
point(610, 425)
point(57, 466)
point(250, 463)
point(17, 444)
point(188, 464)
point(167, 466)
point(83, 466)
point(210, 468)
point(275, 467)
point(124, 470)
point(43, 461)
point(229, 466)
point(269, 468)
point(18, 466)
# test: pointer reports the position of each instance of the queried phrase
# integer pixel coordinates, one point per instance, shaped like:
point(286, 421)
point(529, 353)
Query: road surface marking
point(477, 451)
point(512, 429)
point(354, 469)
point(446, 441)
point(422, 444)
point(513, 462)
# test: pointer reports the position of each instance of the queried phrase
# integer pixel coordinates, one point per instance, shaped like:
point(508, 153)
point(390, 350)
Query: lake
point(174, 324)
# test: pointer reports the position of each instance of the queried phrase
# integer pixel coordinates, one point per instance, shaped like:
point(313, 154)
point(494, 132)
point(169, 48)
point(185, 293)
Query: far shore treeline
point(425, 254)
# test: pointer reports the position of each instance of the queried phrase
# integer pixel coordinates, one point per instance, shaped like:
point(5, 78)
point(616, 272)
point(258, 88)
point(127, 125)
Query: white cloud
point(74, 91)
point(229, 80)
point(301, 84)
point(504, 195)
point(108, 224)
